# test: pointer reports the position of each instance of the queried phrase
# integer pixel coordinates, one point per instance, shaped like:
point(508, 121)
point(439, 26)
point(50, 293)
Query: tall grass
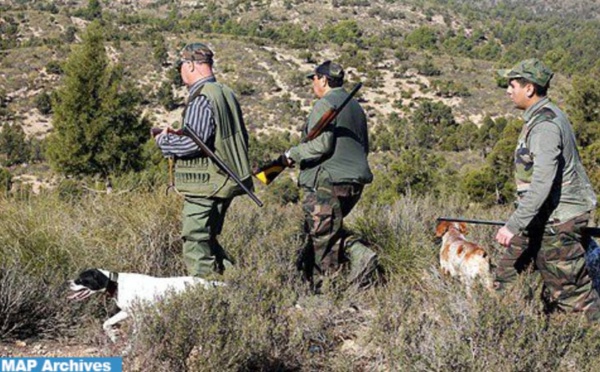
point(265, 319)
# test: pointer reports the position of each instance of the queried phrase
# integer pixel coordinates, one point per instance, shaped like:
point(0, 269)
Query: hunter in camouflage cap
point(197, 52)
point(329, 69)
point(532, 70)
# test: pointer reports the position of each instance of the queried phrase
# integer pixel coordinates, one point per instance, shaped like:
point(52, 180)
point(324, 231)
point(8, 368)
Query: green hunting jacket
point(339, 154)
point(551, 180)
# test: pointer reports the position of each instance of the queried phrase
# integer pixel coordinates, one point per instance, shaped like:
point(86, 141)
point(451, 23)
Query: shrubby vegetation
point(43, 102)
point(449, 88)
point(558, 38)
point(13, 145)
point(264, 319)
point(426, 164)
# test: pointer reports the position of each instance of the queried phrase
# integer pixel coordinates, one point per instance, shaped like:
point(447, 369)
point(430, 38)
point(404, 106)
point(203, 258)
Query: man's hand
point(504, 236)
point(285, 160)
point(157, 133)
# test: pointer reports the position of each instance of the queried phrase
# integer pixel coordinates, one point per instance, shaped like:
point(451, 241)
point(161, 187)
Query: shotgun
point(208, 152)
point(268, 172)
point(590, 231)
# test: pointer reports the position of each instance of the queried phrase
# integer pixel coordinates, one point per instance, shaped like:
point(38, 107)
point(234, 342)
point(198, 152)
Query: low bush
point(266, 318)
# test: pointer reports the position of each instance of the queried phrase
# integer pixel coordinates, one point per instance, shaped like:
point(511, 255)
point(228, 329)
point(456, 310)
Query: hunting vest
point(571, 194)
point(201, 176)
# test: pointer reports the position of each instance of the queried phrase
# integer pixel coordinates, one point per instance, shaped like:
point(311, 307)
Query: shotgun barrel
point(590, 231)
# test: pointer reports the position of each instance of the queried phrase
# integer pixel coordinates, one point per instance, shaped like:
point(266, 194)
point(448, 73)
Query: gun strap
point(171, 160)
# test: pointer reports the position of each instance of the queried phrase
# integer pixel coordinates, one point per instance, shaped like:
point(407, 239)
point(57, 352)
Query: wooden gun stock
point(330, 116)
point(267, 173)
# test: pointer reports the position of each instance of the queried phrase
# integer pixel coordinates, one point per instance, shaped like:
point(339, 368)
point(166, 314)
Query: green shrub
point(165, 96)
point(450, 88)
point(244, 88)
point(54, 67)
point(428, 68)
point(5, 181)
point(284, 191)
point(33, 305)
point(423, 37)
point(43, 103)
point(481, 185)
point(14, 147)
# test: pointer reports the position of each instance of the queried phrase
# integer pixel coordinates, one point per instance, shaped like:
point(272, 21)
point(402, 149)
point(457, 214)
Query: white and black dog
point(129, 289)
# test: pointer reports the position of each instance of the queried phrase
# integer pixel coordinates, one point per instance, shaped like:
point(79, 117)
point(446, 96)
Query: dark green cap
point(330, 69)
point(197, 52)
point(530, 69)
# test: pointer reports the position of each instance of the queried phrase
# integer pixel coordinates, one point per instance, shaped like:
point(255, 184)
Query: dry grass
point(265, 319)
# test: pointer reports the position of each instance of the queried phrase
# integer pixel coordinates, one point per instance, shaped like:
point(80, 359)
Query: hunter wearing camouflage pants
point(555, 199)
point(324, 210)
point(558, 254)
point(333, 170)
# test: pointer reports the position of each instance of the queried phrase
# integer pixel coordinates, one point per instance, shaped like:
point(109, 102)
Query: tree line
point(98, 129)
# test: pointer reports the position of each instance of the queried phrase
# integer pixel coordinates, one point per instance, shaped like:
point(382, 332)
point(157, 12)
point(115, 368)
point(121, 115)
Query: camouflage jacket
point(552, 184)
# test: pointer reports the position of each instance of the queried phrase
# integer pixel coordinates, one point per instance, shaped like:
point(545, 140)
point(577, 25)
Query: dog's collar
point(113, 277)
point(113, 284)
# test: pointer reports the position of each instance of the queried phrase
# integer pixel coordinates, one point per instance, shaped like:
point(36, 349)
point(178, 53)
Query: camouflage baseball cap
point(530, 69)
point(197, 52)
point(328, 68)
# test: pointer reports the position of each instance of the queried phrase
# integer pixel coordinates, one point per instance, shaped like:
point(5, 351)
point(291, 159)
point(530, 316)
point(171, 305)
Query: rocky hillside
point(369, 37)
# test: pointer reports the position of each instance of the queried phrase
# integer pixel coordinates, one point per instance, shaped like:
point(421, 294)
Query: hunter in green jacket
point(333, 171)
point(555, 199)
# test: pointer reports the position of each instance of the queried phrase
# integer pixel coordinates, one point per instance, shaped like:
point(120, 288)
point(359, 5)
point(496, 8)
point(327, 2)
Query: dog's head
point(89, 282)
point(444, 226)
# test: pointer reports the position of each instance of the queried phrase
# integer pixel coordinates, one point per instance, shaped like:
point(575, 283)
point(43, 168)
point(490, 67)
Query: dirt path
point(49, 349)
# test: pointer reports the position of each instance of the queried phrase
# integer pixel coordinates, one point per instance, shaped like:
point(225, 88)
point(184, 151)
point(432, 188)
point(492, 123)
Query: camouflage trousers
point(202, 223)
point(328, 245)
point(558, 252)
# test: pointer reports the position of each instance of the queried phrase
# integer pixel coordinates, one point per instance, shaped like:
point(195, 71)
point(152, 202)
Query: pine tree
point(584, 112)
point(94, 10)
point(160, 51)
point(13, 145)
point(97, 130)
point(583, 107)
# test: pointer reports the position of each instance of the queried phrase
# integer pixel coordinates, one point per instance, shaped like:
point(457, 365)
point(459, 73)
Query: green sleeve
point(320, 146)
point(545, 144)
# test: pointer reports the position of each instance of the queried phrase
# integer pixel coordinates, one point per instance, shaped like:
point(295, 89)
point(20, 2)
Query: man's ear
point(323, 82)
point(530, 90)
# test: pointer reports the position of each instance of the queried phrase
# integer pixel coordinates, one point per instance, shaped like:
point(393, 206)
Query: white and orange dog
point(461, 258)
